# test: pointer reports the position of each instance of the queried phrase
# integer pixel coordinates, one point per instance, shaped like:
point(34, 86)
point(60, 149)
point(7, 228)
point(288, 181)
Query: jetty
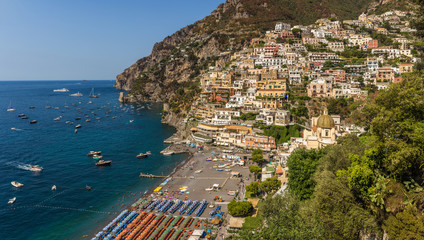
point(143, 175)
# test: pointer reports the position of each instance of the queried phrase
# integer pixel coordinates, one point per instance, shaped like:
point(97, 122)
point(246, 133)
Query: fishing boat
point(56, 119)
point(97, 157)
point(61, 90)
point(88, 188)
point(21, 115)
point(92, 95)
point(78, 118)
point(78, 94)
point(78, 126)
point(88, 120)
point(54, 188)
point(10, 108)
point(36, 168)
point(33, 121)
point(92, 153)
point(12, 200)
point(103, 163)
point(17, 184)
point(31, 107)
point(24, 117)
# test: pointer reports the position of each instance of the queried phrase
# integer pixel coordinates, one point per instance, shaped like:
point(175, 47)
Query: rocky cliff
point(171, 72)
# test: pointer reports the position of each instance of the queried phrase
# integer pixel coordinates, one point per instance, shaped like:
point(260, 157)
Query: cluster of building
point(300, 60)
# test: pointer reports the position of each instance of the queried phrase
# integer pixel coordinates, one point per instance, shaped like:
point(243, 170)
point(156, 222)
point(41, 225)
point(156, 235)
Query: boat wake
point(16, 129)
point(27, 167)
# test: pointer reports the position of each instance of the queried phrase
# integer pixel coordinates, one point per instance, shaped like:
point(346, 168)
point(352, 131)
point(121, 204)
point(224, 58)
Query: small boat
point(10, 108)
point(131, 121)
point(149, 153)
point(56, 119)
point(88, 120)
point(78, 94)
point(36, 168)
point(21, 115)
point(33, 121)
point(31, 107)
point(24, 117)
point(17, 184)
point(12, 200)
point(92, 95)
point(78, 126)
point(97, 157)
point(77, 118)
point(142, 155)
point(54, 188)
point(168, 153)
point(92, 153)
point(103, 163)
point(13, 129)
point(88, 188)
point(61, 90)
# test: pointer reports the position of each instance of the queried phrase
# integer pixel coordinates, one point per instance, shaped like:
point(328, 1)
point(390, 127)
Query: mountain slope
point(174, 63)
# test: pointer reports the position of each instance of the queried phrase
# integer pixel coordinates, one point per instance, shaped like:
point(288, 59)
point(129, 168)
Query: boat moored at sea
point(92, 95)
point(103, 163)
point(78, 94)
point(92, 153)
point(61, 90)
point(54, 188)
point(10, 108)
point(78, 126)
point(31, 107)
point(33, 121)
point(21, 115)
point(12, 200)
point(16, 184)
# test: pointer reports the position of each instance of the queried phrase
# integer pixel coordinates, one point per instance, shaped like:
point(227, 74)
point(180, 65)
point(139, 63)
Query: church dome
point(325, 121)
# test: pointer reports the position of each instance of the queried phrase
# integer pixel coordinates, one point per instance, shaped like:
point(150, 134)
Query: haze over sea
point(71, 212)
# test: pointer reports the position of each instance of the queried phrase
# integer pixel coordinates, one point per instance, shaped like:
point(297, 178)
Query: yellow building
point(272, 93)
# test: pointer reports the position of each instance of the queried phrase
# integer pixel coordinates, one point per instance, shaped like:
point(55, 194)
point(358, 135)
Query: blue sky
point(86, 39)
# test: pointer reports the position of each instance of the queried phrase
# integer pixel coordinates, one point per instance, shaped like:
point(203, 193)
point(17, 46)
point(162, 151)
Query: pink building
point(339, 75)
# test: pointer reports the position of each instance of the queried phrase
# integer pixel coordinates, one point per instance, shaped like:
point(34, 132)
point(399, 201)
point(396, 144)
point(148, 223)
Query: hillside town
point(264, 84)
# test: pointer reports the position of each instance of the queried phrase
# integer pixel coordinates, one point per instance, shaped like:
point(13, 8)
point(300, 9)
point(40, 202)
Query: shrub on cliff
point(240, 209)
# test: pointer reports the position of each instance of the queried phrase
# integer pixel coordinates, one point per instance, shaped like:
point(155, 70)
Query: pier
point(142, 175)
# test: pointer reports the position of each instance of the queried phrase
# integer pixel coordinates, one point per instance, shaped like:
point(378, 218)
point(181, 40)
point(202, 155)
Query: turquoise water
point(71, 212)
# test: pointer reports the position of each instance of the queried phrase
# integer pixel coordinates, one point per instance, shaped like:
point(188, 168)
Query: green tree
point(257, 156)
point(302, 165)
point(270, 185)
point(405, 225)
point(255, 169)
point(418, 21)
point(396, 122)
point(253, 188)
point(240, 209)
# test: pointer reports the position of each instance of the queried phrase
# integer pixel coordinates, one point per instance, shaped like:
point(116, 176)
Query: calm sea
point(120, 131)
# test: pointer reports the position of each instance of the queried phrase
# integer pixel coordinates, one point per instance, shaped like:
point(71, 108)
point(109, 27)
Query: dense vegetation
point(363, 186)
point(281, 134)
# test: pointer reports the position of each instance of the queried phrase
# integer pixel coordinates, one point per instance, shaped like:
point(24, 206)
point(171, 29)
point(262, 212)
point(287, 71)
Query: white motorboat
point(12, 200)
point(17, 184)
point(10, 108)
point(56, 119)
point(36, 168)
point(78, 94)
point(61, 90)
point(54, 188)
